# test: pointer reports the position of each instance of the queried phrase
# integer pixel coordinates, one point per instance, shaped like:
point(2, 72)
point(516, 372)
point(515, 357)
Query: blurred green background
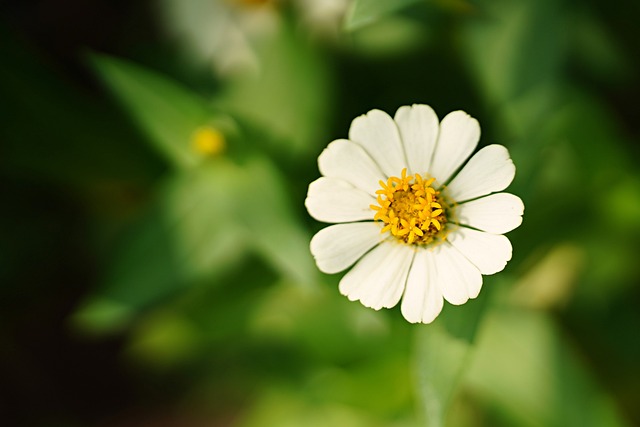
point(150, 279)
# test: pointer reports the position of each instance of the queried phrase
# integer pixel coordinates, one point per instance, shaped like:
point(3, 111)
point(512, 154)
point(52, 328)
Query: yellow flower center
point(411, 209)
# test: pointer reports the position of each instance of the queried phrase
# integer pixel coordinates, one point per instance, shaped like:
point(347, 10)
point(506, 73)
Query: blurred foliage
point(365, 12)
point(175, 282)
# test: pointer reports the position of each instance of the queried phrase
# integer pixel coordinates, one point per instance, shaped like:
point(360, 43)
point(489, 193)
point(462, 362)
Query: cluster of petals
point(386, 269)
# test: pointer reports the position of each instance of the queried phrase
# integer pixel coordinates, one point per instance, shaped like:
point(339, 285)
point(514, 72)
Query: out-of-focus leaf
point(551, 282)
point(184, 330)
point(576, 151)
point(190, 234)
point(524, 367)
point(167, 112)
point(202, 224)
point(394, 36)
point(289, 97)
point(613, 272)
point(164, 339)
point(515, 52)
point(598, 50)
point(362, 354)
point(101, 315)
point(321, 322)
point(596, 137)
point(55, 132)
point(381, 385)
point(624, 200)
point(441, 355)
point(364, 12)
point(276, 233)
point(288, 408)
point(514, 46)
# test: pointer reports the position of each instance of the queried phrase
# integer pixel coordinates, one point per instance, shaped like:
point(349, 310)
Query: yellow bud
point(208, 141)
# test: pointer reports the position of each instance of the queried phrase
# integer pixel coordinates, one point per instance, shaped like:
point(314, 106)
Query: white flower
point(414, 228)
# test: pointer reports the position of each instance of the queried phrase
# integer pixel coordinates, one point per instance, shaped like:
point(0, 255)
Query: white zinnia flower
point(414, 228)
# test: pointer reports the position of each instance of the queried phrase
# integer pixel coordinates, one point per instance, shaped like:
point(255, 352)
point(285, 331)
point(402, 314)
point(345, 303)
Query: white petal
point(489, 171)
point(418, 127)
point(498, 213)
point(378, 279)
point(459, 136)
point(335, 200)
point(488, 252)
point(349, 161)
point(378, 134)
point(457, 278)
point(337, 247)
point(422, 300)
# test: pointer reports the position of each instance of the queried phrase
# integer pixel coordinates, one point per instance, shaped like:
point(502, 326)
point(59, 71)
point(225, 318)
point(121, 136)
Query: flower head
point(419, 221)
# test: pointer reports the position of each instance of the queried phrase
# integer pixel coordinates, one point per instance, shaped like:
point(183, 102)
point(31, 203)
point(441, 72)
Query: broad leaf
point(514, 46)
point(190, 234)
point(526, 369)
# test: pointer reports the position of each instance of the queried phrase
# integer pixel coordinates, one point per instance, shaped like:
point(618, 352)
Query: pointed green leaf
point(167, 112)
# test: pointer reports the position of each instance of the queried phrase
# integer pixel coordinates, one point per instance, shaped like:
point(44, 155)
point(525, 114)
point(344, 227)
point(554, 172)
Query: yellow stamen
point(411, 209)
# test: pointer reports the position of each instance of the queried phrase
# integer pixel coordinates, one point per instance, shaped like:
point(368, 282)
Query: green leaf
point(55, 130)
point(288, 98)
point(392, 37)
point(515, 51)
point(597, 49)
point(365, 12)
point(201, 226)
point(167, 112)
point(164, 339)
point(525, 368)
point(99, 315)
point(189, 235)
point(277, 406)
point(276, 233)
point(441, 355)
point(515, 46)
